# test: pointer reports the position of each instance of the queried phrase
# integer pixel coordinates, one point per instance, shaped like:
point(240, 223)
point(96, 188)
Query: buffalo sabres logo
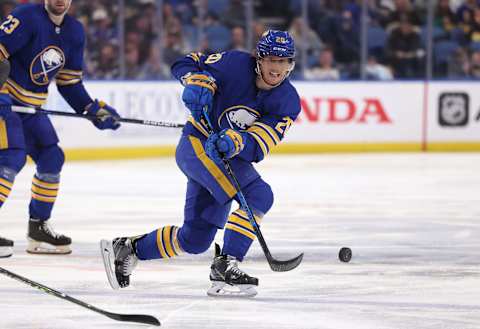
point(238, 117)
point(45, 65)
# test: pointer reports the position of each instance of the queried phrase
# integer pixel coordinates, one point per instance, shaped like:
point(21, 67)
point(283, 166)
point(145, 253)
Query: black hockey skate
point(120, 259)
point(228, 280)
point(6, 247)
point(42, 239)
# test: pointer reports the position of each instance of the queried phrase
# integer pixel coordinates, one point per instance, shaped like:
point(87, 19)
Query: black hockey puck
point(345, 254)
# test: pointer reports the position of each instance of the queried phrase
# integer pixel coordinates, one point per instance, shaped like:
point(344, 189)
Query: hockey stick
point(138, 318)
point(31, 110)
point(275, 264)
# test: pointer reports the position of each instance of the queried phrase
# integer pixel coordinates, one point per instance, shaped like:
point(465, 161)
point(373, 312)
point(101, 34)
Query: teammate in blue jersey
point(251, 105)
point(40, 43)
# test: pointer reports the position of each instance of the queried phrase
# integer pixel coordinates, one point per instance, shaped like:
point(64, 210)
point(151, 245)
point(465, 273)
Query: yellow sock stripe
point(234, 218)
point(243, 214)
point(240, 230)
point(46, 185)
point(3, 135)
point(167, 242)
point(5, 191)
point(6, 183)
point(44, 192)
point(160, 243)
point(212, 168)
point(176, 246)
point(43, 198)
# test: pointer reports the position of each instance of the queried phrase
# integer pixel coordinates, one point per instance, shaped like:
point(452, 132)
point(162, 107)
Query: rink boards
point(335, 117)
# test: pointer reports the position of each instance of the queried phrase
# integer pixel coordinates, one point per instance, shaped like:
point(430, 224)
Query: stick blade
point(138, 318)
point(285, 265)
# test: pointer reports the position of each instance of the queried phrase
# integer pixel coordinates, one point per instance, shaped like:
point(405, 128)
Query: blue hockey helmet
point(276, 43)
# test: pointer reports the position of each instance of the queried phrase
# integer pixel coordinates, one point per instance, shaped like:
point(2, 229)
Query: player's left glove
point(224, 145)
point(198, 93)
point(106, 116)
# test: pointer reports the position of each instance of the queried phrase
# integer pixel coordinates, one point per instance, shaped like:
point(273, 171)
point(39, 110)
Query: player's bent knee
point(259, 196)
point(51, 160)
point(13, 159)
point(196, 237)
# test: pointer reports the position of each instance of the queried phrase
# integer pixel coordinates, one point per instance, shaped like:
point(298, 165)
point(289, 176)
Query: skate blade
point(43, 248)
point(108, 257)
point(6, 252)
point(221, 289)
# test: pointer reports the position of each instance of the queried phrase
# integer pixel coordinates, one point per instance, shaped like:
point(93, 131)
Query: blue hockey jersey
point(40, 52)
point(264, 115)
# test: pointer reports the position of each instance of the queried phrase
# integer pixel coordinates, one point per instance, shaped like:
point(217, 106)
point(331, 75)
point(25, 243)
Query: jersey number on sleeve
point(10, 24)
point(283, 126)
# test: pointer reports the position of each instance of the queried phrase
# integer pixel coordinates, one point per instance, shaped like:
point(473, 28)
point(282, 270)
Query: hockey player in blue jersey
point(251, 105)
point(41, 43)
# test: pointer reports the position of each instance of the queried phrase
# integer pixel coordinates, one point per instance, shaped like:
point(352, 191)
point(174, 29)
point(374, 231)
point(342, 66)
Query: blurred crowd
point(328, 36)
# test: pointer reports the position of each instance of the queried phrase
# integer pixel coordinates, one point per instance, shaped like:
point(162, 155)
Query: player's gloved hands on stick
point(198, 93)
point(224, 145)
point(106, 116)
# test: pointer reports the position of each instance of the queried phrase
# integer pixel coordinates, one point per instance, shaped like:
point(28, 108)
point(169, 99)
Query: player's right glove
point(224, 145)
point(198, 93)
point(106, 116)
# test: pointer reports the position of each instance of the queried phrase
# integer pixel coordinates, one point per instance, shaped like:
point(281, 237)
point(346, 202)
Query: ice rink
point(412, 221)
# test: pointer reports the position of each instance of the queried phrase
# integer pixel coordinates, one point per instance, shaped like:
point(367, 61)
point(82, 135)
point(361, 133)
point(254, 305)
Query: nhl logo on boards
point(453, 109)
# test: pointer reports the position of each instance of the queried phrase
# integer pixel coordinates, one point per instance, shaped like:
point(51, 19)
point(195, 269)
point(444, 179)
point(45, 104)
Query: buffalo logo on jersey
point(46, 64)
point(238, 117)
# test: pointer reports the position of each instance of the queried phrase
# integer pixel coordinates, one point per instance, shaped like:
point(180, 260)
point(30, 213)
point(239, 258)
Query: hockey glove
point(224, 145)
point(198, 93)
point(106, 116)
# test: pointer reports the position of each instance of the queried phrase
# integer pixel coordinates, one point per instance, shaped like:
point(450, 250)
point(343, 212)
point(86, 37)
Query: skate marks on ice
point(410, 220)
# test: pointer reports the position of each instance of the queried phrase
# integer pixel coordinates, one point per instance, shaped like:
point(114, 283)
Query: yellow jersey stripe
point(240, 230)
point(194, 56)
point(5, 191)
point(260, 142)
point(2, 198)
point(46, 185)
point(43, 198)
point(263, 134)
point(4, 52)
point(67, 83)
point(44, 192)
point(6, 183)
point(26, 92)
point(30, 99)
point(71, 72)
point(67, 76)
point(167, 242)
point(160, 243)
point(269, 130)
point(212, 168)
point(3, 136)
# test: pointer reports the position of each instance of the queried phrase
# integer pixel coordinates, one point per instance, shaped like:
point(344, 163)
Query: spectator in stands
point(132, 61)
point(459, 65)
point(235, 14)
point(154, 68)
point(404, 8)
point(106, 66)
point(405, 51)
point(172, 48)
point(475, 32)
point(475, 65)
point(238, 39)
point(376, 71)
point(324, 69)
point(444, 16)
point(347, 40)
point(306, 38)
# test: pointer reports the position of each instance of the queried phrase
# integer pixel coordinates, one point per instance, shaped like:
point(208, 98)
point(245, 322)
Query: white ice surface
point(412, 221)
